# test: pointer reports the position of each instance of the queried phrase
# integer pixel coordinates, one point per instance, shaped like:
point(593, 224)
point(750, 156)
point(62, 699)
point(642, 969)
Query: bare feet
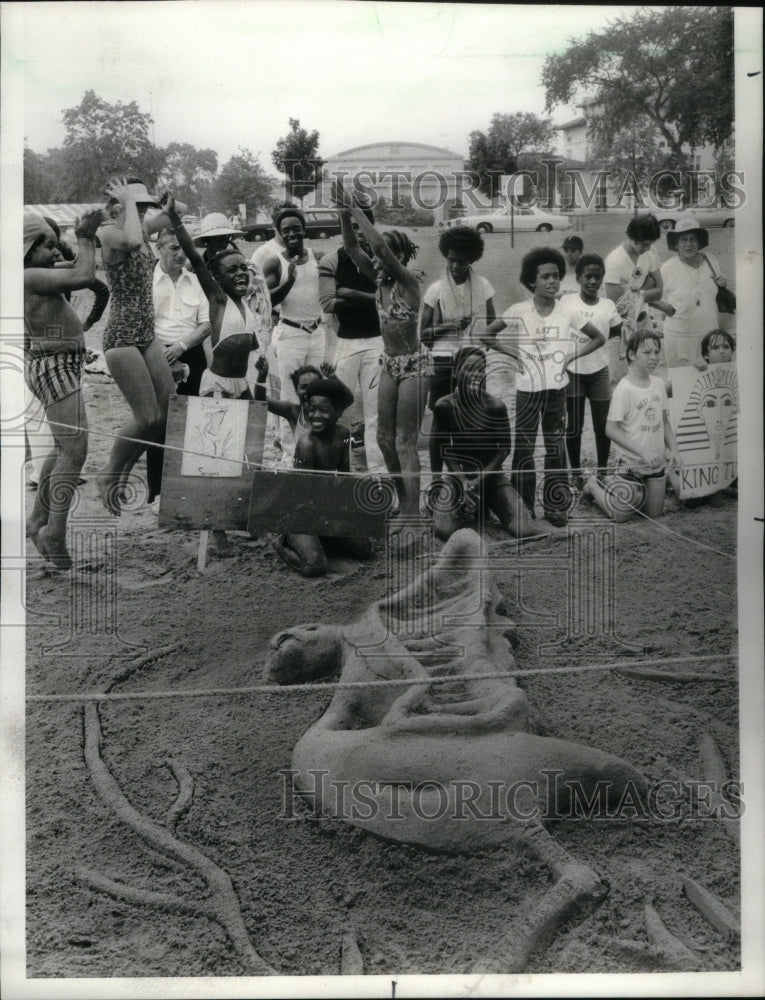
point(109, 491)
point(53, 550)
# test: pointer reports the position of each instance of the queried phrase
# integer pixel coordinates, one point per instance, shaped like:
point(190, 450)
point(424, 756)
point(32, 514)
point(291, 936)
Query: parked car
point(706, 216)
point(319, 224)
point(525, 220)
point(258, 232)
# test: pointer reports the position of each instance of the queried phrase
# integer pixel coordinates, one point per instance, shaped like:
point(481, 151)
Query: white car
point(707, 217)
point(525, 220)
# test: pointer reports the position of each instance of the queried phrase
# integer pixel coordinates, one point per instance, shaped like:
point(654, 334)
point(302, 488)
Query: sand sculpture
point(439, 744)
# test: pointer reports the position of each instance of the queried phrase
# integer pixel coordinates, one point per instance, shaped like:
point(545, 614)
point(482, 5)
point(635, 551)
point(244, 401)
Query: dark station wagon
point(319, 224)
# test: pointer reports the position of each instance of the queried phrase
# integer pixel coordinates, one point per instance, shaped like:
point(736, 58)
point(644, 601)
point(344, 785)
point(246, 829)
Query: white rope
point(353, 685)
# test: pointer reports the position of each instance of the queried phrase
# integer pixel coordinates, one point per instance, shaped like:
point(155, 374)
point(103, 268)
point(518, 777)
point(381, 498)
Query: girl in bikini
point(134, 358)
point(225, 281)
point(406, 363)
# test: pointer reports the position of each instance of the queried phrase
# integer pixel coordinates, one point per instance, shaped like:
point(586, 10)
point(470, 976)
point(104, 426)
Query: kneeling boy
point(638, 424)
point(326, 447)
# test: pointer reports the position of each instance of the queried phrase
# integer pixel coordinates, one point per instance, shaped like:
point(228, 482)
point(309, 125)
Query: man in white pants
point(299, 336)
point(350, 296)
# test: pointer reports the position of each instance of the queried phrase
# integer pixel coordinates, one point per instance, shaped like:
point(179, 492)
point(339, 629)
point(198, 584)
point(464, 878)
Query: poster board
point(704, 411)
point(207, 470)
point(318, 503)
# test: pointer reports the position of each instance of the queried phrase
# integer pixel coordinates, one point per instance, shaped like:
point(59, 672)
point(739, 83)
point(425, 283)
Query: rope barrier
point(354, 475)
point(353, 685)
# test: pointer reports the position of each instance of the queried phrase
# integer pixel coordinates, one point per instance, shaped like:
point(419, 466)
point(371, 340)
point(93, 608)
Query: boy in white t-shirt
point(638, 424)
point(589, 377)
point(540, 334)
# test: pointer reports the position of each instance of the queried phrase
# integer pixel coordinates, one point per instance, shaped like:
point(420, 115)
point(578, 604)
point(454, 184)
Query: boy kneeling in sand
point(326, 447)
point(638, 424)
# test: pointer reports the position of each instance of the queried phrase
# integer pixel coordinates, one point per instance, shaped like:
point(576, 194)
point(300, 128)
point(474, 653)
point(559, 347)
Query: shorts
point(625, 471)
point(53, 377)
point(229, 388)
point(595, 386)
point(401, 366)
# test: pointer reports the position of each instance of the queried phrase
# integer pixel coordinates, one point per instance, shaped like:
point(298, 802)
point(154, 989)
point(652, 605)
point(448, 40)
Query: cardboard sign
point(213, 444)
point(318, 503)
point(704, 410)
point(208, 486)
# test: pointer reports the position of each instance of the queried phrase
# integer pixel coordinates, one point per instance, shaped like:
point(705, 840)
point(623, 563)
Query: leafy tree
point(242, 179)
point(105, 139)
point(672, 67)
point(41, 182)
point(296, 157)
point(190, 172)
point(499, 151)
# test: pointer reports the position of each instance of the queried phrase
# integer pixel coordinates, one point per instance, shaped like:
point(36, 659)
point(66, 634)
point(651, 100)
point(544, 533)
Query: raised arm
point(47, 280)
point(351, 244)
point(162, 220)
point(272, 273)
point(130, 235)
point(210, 286)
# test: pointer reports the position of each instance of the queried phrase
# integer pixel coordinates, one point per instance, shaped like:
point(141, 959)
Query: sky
point(231, 73)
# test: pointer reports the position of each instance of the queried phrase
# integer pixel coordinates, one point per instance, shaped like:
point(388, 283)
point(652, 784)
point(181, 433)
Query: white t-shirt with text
point(604, 317)
point(543, 342)
point(640, 412)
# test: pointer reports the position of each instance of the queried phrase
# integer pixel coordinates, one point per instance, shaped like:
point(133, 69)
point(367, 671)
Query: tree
point(672, 67)
point(296, 157)
point(242, 179)
point(632, 156)
point(105, 139)
point(499, 151)
point(189, 172)
point(40, 181)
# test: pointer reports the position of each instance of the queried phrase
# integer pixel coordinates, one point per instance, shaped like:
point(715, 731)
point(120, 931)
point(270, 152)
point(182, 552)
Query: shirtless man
point(471, 431)
point(325, 447)
point(54, 359)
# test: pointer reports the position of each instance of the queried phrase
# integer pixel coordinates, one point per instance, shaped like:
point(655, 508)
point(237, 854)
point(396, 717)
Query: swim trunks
point(53, 377)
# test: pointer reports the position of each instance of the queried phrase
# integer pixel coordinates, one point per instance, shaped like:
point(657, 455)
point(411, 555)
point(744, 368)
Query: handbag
point(725, 299)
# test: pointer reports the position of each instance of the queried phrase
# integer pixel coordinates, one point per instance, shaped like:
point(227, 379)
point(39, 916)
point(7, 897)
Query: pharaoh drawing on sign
point(215, 434)
point(472, 729)
point(707, 405)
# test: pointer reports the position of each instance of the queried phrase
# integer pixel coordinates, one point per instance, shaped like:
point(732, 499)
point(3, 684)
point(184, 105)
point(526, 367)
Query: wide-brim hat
point(687, 225)
point(141, 195)
point(215, 224)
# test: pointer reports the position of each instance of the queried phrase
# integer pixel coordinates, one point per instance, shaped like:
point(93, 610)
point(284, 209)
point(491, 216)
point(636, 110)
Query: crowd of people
point(350, 331)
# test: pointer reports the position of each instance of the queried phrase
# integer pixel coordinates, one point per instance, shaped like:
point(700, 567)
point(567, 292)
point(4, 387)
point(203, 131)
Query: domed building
point(433, 177)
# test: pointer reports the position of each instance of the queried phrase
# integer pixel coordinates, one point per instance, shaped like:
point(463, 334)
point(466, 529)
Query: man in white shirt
point(181, 313)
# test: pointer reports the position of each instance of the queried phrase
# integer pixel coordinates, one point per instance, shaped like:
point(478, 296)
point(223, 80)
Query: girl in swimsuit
point(406, 363)
point(134, 358)
point(225, 280)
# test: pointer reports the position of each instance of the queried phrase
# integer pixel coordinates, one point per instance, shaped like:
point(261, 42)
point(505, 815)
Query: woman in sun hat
point(691, 279)
point(134, 358)
point(215, 233)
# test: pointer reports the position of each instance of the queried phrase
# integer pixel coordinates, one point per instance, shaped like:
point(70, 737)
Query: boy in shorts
point(326, 446)
point(638, 424)
point(54, 349)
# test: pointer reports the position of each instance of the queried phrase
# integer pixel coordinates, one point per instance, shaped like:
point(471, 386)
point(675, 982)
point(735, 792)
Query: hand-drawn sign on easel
point(320, 503)
point(208, 465)
point(213, 444)
point(704, 415)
